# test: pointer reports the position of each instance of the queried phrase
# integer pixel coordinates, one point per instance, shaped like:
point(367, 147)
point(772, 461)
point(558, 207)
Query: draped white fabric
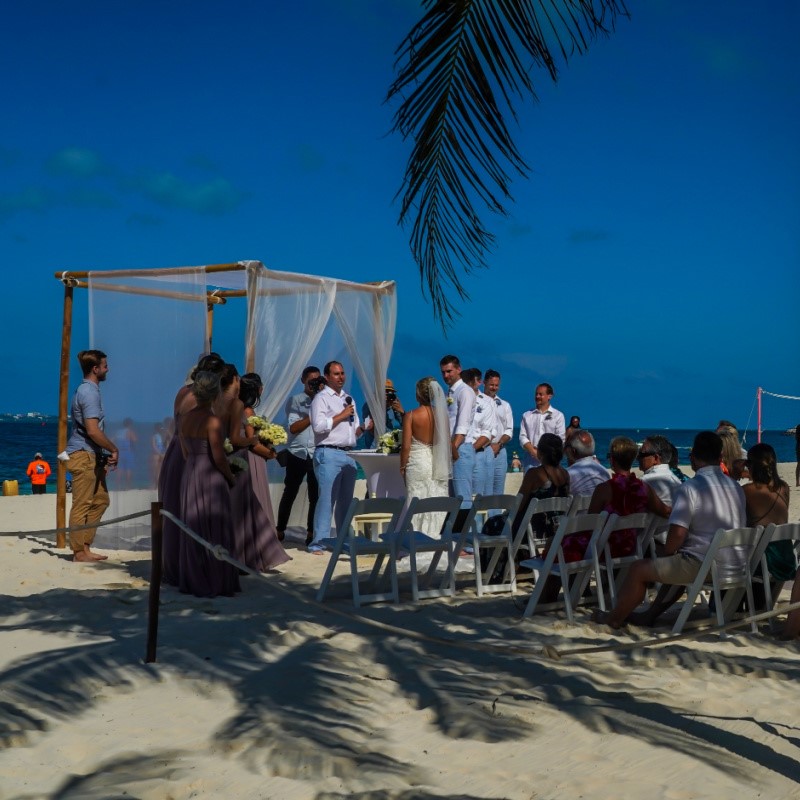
point(152, 326)
point(367, 322)
point(288, 317)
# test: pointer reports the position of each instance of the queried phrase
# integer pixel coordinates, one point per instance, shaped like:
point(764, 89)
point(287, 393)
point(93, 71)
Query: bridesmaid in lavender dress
point(205, 496)
point(255, 537)
point(171, 472)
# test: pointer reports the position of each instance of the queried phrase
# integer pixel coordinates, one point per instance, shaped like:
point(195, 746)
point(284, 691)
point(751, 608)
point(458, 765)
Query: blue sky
point(648, 270)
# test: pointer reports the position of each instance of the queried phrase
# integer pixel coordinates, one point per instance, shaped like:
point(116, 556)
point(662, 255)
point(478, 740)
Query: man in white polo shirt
point(460, 410)
point(481, 433)
point(709, 501)
point(542, 419)
point(336, 427)
point(586, 473)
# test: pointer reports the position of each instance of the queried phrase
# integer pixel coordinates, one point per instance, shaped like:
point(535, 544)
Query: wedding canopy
point(155, 323)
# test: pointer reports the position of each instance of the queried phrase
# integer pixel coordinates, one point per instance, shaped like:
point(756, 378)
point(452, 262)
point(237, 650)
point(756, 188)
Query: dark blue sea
point(20, 440)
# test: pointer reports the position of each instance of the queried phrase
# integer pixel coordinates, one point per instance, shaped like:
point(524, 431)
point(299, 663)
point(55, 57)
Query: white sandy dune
point(268, 695)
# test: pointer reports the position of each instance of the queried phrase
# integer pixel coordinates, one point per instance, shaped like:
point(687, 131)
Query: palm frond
point(457, 72)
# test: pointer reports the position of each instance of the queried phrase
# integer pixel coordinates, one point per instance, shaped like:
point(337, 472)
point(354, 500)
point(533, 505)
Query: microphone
point(348, 401)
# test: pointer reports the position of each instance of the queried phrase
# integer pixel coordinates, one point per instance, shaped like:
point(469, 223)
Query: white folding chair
point(759, 569)
point(414, 542)
point(579, 505)
point(616, 568)
point(553, 565)
point(504, 504)
point(547, 505)
point(349, 542)
point(723, 577)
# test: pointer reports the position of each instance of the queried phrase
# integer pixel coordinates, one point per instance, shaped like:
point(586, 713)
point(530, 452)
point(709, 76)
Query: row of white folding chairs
point(737, 583)
point(400, 537)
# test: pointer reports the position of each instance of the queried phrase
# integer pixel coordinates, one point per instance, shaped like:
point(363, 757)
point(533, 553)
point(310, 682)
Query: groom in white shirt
point(460, 410)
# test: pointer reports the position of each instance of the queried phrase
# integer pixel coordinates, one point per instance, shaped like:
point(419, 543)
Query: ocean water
point(20, 440)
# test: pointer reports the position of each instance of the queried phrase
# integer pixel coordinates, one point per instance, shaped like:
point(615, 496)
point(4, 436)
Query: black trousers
point(40, 488)
point(296, 469)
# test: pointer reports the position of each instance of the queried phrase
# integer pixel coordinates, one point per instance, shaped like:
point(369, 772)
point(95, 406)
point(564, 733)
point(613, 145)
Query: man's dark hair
point(491, 373)
point(329, 366)
point(89, 359)
point(547, 386)
point(307, 371)
point(450, 360)
point(707, 447)
point(662, 447)
point(469, 375)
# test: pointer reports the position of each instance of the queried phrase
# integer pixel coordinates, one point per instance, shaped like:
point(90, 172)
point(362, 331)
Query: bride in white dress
point(425, 457)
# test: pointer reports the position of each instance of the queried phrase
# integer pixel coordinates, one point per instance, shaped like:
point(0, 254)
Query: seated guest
point(549, 479)
point(767, 501)
point(585, 471)
point(702, 506)
point(674, 465)
point(732, 462)
point(653, 458)
point(625, 494)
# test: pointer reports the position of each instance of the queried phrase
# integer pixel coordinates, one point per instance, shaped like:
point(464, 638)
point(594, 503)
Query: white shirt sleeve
point(466, 404)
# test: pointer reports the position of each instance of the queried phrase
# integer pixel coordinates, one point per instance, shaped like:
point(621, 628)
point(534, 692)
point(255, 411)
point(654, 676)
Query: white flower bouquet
point(227, 446)
point(390, 442)
point(268, 432)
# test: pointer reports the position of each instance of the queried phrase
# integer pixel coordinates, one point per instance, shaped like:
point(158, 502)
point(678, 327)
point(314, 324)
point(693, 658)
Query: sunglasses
point(645, 454)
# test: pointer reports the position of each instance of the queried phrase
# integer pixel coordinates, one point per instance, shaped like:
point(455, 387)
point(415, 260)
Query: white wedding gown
point(420, 483)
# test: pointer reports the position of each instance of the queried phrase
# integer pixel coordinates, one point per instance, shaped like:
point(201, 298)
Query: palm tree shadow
point(310, 687)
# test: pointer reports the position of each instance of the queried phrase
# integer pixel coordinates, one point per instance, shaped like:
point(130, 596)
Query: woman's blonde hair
point(424, 390)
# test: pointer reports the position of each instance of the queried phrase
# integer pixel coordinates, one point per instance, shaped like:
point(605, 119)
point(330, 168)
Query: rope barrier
point(548, 651)
point(50, 531)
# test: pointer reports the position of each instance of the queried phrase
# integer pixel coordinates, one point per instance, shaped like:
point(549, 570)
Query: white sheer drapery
point(367, 322)
point(152, 326)
point(288, 315)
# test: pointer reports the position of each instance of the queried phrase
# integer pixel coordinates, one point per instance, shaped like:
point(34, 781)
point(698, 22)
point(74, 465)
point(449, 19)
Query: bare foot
point(87, 556)
point(604, 618)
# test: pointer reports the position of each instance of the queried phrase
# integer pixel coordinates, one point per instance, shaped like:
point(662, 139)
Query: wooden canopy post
point(63, 399)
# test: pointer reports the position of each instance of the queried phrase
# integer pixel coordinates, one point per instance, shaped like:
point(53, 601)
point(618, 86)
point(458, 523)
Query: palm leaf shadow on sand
point(309, 689)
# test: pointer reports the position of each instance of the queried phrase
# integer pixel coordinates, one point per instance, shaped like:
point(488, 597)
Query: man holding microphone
point(336, 427)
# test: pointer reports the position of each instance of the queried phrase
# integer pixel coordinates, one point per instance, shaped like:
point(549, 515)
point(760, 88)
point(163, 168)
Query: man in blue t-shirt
point(91, 454)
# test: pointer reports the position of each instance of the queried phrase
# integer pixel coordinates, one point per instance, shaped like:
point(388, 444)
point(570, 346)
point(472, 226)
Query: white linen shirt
point(484, 421)
point(534, 424)
point(299, 407)
point(325, 405)
point(710, 501)
point(585, 475)
point(460, 407)
point(505, 419)
point(663, 482)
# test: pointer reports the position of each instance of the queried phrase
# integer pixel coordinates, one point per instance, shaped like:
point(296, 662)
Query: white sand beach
point(268, 695)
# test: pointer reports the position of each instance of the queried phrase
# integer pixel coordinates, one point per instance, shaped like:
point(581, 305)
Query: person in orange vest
point(38, 471)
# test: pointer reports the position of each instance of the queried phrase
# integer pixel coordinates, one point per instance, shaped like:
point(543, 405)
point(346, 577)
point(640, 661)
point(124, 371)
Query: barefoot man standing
point(87, 460)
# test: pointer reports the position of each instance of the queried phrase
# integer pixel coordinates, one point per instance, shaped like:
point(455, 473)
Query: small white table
point(382, 472)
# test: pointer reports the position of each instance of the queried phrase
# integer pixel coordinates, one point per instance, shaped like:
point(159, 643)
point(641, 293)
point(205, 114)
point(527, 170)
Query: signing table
point(382, 473)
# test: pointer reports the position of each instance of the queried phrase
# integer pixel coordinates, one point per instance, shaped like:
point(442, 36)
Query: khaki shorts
point(680, 569)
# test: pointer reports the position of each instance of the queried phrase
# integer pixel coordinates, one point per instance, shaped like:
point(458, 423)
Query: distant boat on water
point(790, 431)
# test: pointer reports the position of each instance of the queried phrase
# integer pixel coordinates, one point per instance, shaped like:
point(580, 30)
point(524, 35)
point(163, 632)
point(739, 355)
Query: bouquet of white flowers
point(390, 442)
point(268, 432)
point(228, 447)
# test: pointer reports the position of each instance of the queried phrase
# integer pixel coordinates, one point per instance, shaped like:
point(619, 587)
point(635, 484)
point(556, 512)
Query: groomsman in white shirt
point(460, 410)
point(542, 419)
point(503, 434)
point(336, 427)
point(480, 434)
